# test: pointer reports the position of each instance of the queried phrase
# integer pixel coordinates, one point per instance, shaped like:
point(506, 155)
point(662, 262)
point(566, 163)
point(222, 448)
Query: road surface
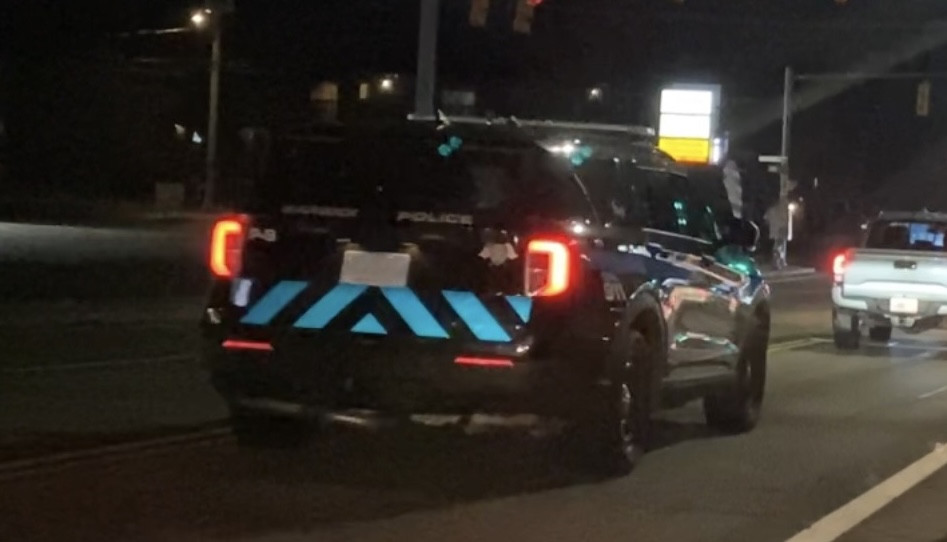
point(39, 262)
point(835, 426)
point(104, 357)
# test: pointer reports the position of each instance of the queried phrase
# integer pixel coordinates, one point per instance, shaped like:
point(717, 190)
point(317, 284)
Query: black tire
point(619, 431)
point(737, 410)
point(260, 430)
point(880, 333)
point(847, 337)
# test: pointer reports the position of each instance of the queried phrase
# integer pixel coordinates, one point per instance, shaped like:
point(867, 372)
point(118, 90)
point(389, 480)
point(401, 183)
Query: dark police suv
point(499, 267)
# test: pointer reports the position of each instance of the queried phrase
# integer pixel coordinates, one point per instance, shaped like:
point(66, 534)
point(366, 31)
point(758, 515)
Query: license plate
point(904, 305)
point(375, 268)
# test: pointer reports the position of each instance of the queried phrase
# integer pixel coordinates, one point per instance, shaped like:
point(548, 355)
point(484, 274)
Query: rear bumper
point(877, 309)
point(322, 377)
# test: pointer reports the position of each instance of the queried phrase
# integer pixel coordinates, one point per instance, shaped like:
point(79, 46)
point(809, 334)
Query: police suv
point(475, 266)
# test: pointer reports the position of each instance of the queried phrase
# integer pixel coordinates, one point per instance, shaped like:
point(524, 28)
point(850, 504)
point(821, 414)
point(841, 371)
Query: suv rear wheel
point(260, 430)
point(617, 435)
point(738, 410)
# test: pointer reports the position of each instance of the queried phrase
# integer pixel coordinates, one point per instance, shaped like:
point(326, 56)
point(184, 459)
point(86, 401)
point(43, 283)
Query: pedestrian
point(777, 218)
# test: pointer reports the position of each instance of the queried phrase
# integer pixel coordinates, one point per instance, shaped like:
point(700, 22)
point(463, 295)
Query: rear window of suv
point(438, 175)
point(907, 235)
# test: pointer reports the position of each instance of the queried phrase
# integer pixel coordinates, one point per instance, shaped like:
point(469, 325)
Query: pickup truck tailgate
point(878, 273)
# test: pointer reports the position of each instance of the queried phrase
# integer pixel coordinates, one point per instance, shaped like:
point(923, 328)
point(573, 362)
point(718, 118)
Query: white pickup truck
point(898, 278)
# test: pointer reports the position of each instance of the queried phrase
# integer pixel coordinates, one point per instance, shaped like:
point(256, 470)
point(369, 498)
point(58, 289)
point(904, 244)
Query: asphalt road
point(39, 262)
point(834, 426)
point(81, 244)
point(113, 348)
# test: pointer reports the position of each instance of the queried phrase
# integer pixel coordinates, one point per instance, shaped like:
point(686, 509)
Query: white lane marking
point(843, 520)
point(930, 394)
point(108, 364)
point(798, 343)
point(894, 345)
point(21, 467)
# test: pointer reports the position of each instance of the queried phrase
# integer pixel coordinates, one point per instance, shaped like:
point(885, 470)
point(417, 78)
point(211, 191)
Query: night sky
point(628, 44)
point(744, 40)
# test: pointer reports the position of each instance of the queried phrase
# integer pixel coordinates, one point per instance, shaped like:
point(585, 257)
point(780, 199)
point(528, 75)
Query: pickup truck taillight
point(548, 267)
point(226, 246)
point(839, 263)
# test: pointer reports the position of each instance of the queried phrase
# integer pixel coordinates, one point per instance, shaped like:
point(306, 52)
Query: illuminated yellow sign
point(687, 123)
point(686, 150)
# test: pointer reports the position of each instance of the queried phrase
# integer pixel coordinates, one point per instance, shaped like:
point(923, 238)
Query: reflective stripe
point(327, 308)
point(370, 326)
point(468, 307)
point(522, 306)
point(483, 325)
point(414, 313)
point(273, 302)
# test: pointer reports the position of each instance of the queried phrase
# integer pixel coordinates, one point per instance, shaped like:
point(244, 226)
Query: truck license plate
point(904, 305)
point(375, 268)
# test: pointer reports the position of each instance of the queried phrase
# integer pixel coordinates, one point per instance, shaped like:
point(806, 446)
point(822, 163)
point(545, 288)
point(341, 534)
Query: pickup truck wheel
point(259, 430)
point(616, 436)
point(880, 333)
point(738, 410)
point(847, 337)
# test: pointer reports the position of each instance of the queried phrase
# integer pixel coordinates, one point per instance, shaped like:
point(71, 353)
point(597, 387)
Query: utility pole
point(213, 114)
point(788, 80)
point(426, 79)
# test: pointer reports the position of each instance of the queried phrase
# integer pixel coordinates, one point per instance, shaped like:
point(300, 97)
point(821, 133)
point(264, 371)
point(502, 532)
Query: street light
point(792, 208)
point(202, 19)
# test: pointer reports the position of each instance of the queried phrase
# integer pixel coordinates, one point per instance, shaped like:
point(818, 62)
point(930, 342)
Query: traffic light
point(479, 11)
point(525, 10)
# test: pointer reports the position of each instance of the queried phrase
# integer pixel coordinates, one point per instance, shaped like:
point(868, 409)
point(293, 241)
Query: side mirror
point(742, 233)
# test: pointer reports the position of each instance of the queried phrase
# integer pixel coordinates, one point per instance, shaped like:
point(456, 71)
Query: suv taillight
point(226, 247)
point(548, 267)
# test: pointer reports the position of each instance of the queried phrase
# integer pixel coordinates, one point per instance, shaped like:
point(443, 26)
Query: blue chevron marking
point(472, 311)
point(414, 313)
point(370, 325)
point(522, 306)
point(327, 308)
point(273, 302)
